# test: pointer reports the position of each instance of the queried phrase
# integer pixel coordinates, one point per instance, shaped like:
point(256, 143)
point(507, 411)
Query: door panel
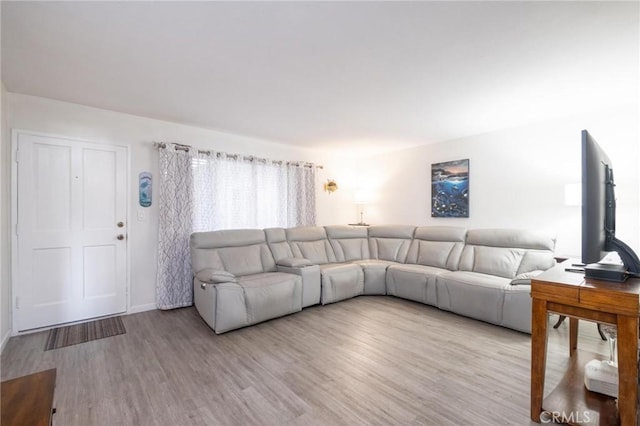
point(99, 271)
point(71, 266)
point(99, 189)
point(52, 192)
point(50, 278)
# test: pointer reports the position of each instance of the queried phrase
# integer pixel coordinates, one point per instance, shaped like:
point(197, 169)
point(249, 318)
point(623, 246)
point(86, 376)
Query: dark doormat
point(80, 333)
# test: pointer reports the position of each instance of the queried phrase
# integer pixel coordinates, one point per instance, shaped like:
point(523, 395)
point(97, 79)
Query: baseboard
point(5, 339)
point(141, 308)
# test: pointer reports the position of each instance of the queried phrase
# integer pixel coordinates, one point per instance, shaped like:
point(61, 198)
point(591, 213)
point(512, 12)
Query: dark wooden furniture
point(561, 319)
point(28, 400)
point(569, 294)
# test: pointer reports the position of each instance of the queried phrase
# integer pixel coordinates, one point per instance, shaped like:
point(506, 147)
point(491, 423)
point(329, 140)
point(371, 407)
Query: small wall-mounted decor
point(450, 189)
point(144, 188)
point(330, 186)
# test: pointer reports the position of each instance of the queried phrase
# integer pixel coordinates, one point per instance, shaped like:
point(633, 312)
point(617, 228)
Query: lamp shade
point(362, 196)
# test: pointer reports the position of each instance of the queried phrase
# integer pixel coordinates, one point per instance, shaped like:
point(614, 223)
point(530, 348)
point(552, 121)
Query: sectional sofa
point(246, 276)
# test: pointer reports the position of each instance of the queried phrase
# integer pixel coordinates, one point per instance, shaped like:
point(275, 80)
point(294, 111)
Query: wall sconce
point(330, 186)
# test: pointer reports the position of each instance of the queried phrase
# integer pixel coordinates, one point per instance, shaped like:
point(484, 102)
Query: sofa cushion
point(239, 251)
point(214, 276)
point(277, 241)
point(501, 262)
point(294, 262)
point(311, 243)
point(375, 275)
point(509, 238)
point(516, 308)
point(506, 252)
point(413, 282)
point(437, 246)
point(348, 242)
point(271, 295)
point(340, 281)
point(472, 294)
point(525, 278)
point(390, 242)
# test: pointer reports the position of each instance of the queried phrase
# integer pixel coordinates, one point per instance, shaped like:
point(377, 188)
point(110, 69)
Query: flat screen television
point(599, 217)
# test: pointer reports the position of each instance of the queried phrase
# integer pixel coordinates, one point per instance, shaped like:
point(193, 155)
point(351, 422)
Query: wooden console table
point(28, 400)
point(569, 294)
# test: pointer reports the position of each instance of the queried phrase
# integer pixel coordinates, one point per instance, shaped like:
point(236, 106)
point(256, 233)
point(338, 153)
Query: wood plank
point(618, 298)
point(368, 360)
point(28, 400)
point(570, 402)
point(601, 301)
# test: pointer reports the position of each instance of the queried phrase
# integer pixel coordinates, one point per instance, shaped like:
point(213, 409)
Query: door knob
point(120, 237)
point(120, 224)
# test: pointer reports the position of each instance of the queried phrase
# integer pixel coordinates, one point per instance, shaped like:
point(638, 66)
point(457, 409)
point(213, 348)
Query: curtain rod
point(187, 148)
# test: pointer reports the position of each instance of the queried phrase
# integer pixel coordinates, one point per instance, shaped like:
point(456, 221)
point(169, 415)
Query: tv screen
point(599, 215)
point(595, 167)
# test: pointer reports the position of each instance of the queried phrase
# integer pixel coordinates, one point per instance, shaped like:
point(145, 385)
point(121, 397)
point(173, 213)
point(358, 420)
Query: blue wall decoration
point(144, 188)
point(450, 189)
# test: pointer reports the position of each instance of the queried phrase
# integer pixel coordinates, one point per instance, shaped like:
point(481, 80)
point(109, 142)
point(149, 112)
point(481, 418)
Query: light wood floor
point(369, 360)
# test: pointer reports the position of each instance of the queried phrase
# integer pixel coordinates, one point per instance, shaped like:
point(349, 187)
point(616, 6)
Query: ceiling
point(328, 75)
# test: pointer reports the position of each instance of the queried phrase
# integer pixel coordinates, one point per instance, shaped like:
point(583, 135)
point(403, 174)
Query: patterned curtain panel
point(301, 195)
point(175, 202)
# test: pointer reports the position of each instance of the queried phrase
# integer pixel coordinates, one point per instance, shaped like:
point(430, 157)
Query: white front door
point(71, 230)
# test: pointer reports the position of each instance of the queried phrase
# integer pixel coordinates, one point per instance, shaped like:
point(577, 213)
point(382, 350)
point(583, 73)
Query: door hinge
point(17, 156)
point(17, 303)
point(16, 229)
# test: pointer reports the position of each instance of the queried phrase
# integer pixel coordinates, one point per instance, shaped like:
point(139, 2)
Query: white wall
point(91, 124)
point(517, 177)
point(5, 255)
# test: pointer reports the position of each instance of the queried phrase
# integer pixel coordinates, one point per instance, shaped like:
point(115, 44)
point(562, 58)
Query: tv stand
point(627, 255)
point(607, 272)
point(565, 293)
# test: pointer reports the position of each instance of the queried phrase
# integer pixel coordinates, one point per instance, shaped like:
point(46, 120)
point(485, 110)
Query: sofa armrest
point(294, 262)
point(215, 276)
point(525, 278)
point(310, 282)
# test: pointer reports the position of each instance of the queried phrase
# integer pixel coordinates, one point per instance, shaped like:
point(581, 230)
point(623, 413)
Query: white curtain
point(175, 202)
point(206, 191)
point(235, 192)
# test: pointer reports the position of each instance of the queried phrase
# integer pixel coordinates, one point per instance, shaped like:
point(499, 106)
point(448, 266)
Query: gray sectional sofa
point(246, 276)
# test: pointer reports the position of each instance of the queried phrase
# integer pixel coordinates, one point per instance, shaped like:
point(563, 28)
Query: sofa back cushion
point(348, 242)
point(310, 243)
point(437, 246)
point(507, 252)
point(239, 251)
point(277, 241)
point(390, 242)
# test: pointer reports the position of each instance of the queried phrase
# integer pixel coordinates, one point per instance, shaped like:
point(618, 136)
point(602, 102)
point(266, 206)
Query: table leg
point(573, 335)
point(627, 369)
point(539, 318)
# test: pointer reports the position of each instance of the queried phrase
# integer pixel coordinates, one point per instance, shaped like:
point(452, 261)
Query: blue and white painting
point(450, 189)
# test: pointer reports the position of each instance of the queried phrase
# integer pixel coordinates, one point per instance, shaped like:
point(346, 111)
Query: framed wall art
point(450, 189)
point(145, 182)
